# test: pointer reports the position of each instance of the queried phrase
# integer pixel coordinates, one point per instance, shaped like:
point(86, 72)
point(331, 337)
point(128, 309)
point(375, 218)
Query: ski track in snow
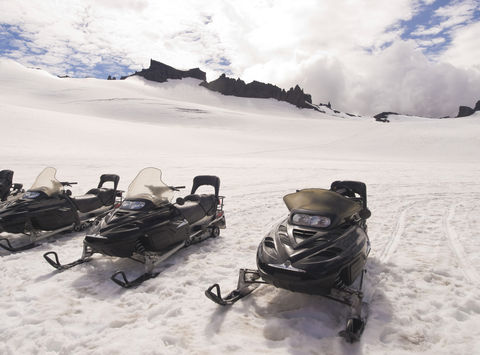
point(469, 271)
point(423, 271)
point(394, 239)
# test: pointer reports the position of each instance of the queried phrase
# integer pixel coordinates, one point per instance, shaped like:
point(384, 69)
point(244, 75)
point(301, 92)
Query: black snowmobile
point(148, 228)
point(48, 208)
point(320, 248)
point(8, 190)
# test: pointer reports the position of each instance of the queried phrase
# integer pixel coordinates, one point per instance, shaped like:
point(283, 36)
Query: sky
point(418, 57)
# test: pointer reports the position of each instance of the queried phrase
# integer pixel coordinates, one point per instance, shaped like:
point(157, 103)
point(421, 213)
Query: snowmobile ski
point(248, 281)
point(86, 257)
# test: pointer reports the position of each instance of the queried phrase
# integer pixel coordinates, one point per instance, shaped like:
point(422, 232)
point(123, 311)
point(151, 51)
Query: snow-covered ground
point(423, 184)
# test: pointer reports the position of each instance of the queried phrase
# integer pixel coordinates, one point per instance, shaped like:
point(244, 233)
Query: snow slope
point(422, 178)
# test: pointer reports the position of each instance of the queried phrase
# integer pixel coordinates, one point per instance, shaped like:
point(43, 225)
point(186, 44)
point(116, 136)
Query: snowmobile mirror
point(67, 183)
point(180, 201)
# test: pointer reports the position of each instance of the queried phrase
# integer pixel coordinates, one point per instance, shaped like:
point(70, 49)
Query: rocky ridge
point(161, 72)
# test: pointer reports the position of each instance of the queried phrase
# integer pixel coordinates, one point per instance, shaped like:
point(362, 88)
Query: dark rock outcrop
point(477, 106)
point(329, 105)
point(464, 111)
point(383, 116)
point(256, 89)
point(161, 72)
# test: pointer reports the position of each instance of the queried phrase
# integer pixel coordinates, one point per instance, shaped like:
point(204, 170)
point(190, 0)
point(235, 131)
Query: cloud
point(464, 50)
point(400, 78)
point(351, 52)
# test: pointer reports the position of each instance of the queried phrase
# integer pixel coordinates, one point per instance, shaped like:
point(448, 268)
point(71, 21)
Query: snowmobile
point(320, 248)
point(48, 208)
point(8, 190)
point(149, 228)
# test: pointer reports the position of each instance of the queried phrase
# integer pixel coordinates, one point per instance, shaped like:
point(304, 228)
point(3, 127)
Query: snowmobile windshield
point(148, 185)
point(322, 202)
point(47, 183)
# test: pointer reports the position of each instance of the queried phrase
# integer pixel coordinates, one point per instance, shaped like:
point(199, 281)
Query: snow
point(422, 177)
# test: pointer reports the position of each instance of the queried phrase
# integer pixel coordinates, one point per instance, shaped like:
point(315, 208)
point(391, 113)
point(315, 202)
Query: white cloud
point(430, 42)
point(464, 50)
point(335, 49)
point(422, 31)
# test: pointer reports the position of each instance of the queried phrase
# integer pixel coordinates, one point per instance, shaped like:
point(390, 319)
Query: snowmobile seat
point(191, 211)
point(107, 196)
point(6, 178)
point(87, 203)
point(208, 202)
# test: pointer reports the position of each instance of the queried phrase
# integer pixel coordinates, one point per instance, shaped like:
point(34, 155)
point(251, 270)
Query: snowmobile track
point(467, 269)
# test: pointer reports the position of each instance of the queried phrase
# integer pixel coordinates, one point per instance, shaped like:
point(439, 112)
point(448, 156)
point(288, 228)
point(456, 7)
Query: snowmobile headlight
point(132, 205)
point(308, 220)
point(31, 194)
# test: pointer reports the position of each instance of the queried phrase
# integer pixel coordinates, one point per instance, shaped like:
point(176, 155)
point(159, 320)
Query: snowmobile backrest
point(109, 177)
point(209, 180)
point(350, 188)
point(6, 178)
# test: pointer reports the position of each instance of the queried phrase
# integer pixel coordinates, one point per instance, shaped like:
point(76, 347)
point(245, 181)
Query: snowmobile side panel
point(165, 235)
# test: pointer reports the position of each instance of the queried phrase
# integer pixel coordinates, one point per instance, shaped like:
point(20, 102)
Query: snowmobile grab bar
point(209, 180)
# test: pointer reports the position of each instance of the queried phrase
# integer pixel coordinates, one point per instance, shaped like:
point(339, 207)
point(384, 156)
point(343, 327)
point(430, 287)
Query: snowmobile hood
point(322, 202)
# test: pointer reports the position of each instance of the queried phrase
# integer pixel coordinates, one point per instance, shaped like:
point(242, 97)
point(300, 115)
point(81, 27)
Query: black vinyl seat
point(87, 203)
point(107, 196)
point(191, 211)
point(196, 207)
point(209, 204)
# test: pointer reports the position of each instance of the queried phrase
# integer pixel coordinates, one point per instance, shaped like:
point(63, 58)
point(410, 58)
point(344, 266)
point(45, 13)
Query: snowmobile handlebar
point(176, 188)
point(66, 183)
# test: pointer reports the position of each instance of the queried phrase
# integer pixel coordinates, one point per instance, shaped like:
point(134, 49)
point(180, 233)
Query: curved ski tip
point(55, 263)
point(123, 282)
point(215, 296)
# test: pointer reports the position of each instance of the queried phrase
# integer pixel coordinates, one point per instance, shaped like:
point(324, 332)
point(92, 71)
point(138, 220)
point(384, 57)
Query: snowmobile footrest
point(248, 281)
point(8, 246)
point(121, 279)
point(56, 263)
